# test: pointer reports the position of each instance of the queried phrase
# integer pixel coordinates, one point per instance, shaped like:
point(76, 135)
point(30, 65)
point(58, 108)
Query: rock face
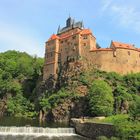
point(2, 107)
point(3, 104)
point(67, 77)
point(67, 110)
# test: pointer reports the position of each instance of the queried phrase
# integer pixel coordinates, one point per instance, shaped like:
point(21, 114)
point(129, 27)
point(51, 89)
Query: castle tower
point(51, 57)
point(71, 43)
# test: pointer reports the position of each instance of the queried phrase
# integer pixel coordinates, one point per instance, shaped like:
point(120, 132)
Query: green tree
point(122, 99)
point(101, 98)
point(135, 108)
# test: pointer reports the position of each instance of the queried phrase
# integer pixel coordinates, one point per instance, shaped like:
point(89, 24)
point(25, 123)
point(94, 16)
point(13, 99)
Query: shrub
point(101, 98)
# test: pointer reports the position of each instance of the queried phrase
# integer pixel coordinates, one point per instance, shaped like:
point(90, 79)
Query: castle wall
point(122, 61)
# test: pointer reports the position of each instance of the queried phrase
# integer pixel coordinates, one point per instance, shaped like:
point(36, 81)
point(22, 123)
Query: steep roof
point(122, 45)
point(53, 37)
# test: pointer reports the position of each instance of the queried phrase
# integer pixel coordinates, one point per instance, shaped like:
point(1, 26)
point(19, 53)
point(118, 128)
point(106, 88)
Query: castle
point(75, 43)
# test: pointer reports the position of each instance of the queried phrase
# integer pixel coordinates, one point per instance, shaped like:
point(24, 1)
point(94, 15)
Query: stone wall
point(94, 130)
point(122, 61)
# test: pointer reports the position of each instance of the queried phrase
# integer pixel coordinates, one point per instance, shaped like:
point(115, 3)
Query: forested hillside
point(19, 73)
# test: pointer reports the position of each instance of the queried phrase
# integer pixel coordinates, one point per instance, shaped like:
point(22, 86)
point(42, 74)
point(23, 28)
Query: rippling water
point(20, 137)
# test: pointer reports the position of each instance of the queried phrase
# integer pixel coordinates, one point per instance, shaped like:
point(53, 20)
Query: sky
point(25, 25)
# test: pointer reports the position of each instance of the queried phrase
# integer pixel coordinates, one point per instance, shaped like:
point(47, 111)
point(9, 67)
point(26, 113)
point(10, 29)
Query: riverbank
point(93, 130)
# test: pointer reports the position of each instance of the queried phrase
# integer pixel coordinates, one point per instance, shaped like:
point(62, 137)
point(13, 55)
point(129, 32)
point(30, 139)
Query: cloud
point(124, 15)
point(15, 38)
point(128, 16)
point(105, 4)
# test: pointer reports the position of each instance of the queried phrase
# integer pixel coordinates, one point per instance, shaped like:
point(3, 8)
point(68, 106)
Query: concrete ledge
point(93, 130)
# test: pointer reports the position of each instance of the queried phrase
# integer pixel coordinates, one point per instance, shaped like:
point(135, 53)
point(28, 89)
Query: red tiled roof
point(53, 37)
point(86, 32)
point(122, 45)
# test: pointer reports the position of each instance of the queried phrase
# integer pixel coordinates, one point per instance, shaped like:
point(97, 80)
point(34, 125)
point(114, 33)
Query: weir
point(37, 131)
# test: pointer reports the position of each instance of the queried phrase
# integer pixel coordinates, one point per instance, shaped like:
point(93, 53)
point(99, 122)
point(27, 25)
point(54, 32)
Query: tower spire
point(58, 30)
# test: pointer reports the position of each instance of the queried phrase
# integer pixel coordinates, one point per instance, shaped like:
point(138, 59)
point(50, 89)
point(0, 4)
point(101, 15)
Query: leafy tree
point(19, 73)
point(101, 98)
point(135, 108)
point(122, 99)
point(20, 107)
point(132, 82)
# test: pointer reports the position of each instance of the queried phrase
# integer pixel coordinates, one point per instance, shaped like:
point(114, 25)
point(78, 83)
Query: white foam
point(37, 131)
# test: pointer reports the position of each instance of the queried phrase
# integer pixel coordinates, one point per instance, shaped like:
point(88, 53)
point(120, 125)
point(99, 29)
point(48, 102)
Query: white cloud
point(125, 15)
point(105, 4)
point(18, 39)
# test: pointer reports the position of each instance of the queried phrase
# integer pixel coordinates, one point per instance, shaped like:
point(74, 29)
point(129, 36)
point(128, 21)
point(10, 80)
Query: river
point(31, 129)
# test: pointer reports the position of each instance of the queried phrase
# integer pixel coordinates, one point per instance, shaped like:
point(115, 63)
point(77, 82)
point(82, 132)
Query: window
point(61, 42)
point(51, 54)
point(74, 37)
point(74, 48)
point(84, 44)
point(85, 37)
point(128, 52)
point(114, 53)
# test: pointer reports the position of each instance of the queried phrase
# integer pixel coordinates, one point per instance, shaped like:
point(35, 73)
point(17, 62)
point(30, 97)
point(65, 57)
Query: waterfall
point(37, 131)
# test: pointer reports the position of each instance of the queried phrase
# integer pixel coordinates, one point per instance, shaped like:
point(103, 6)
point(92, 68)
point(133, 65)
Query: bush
point(101, 99)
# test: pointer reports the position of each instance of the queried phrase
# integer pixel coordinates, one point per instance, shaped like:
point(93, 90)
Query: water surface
point(31, 129)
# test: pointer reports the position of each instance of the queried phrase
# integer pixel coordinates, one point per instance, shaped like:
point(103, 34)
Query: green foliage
point(132, 82)
point(114, 138)
point(53, 100)
point(20, 107)
point(116, 118)
point(135, 108)
point(121, 97)
point(102, 138)
point(101, 98)
point(19, 73)
point(125, 128)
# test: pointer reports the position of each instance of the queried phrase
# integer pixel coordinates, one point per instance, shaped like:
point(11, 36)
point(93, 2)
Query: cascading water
point(38, 133)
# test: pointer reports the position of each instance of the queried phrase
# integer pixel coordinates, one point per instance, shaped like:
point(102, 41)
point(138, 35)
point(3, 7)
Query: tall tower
point(69, 22)
point(51, 57)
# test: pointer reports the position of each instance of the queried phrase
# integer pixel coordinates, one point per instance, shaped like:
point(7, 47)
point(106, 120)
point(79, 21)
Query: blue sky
point(26, 24)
